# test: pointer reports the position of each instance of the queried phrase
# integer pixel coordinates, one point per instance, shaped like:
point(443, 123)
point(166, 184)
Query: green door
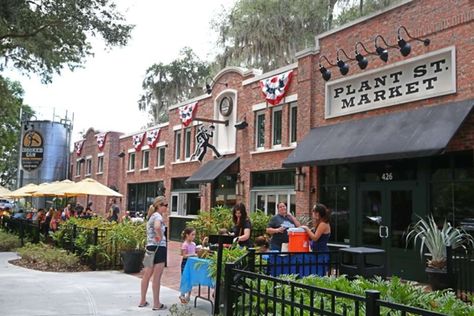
point(386, 210)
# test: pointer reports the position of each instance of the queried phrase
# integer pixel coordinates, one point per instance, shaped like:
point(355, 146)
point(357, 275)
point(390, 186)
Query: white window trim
point(285, 100)
point(292, 105)
point(88, 160)
point(277, 109)
point(181, 208)
point(99, 157)
point(257, 114)
point(264, 151)
point(158, 156)
point(78, 172)
point(269, 191)
point(176, 147)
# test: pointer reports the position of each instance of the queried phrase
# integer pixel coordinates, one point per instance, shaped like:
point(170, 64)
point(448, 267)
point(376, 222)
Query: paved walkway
point(29, 292)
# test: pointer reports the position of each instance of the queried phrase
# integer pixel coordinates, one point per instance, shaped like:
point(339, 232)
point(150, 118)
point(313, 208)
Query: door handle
point(383, 231)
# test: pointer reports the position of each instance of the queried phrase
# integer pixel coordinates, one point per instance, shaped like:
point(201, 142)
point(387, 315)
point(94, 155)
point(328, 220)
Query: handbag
point(149, 257)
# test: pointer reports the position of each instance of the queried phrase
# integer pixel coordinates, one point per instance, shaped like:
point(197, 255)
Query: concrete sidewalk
point(30, 292)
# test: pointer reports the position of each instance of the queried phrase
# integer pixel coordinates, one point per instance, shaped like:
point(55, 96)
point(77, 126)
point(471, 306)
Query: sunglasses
point(165, 205)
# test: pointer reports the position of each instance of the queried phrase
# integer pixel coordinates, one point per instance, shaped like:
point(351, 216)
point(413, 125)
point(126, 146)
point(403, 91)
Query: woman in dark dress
point(242, 226)
point(319, 236)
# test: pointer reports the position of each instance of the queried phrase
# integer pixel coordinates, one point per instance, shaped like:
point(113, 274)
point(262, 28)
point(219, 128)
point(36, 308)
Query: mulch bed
point(40, 266)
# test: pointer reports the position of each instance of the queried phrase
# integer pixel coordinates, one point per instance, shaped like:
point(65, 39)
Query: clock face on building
point(225, 106)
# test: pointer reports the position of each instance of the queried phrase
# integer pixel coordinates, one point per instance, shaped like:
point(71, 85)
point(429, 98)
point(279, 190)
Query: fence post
point(22, 232)
point(94, 241)
point(37, 235)
point(228, 301)
point(371, 306)
point(251, 262)
point(449, 260)
point(73, 238)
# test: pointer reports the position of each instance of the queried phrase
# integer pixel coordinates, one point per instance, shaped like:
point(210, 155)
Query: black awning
point(408, 134)
point(211, 170)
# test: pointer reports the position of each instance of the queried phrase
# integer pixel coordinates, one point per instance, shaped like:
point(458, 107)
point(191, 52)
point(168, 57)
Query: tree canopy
point(11, 101)
point(44, 36)
point(168, 84)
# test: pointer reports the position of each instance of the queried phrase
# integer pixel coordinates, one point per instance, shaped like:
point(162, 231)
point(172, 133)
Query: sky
point(104, 93)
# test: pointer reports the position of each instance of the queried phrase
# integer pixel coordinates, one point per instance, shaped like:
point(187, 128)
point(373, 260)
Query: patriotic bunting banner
point(152, 137)
point(138, 141)
point(78, 147)
point(187, 112)
point(100, 138)
point(275, 88)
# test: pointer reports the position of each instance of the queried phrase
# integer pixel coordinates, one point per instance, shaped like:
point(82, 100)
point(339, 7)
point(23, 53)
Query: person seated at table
point(188, 249)
point(319, 236)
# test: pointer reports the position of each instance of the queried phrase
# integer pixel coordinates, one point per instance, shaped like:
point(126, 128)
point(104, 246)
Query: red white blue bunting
point(275, 88)
point(100, 138)
point(138, 141)
point(187, 112)
point(152, 137)
point(78, 147)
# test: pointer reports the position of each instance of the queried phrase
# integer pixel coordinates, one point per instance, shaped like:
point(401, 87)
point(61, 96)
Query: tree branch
point(23, 35)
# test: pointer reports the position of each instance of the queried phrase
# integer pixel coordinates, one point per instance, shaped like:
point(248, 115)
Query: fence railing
point(252, 288)
point(25, 229)
point(461, 267)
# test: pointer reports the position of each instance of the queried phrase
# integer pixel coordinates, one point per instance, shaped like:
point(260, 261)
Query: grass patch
point(46, 258)
point(8, 242)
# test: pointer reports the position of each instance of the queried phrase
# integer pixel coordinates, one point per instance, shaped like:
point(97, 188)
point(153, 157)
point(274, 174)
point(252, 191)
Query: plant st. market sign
point(419, 78)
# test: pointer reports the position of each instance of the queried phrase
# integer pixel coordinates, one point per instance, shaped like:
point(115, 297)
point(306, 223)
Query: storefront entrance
point(385, 210)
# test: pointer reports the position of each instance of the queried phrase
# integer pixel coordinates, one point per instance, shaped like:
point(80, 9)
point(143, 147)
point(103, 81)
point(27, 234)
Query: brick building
point(379, 145)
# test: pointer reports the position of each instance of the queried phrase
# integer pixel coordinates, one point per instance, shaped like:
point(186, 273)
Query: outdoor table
point(363, 261)
point(196, 273)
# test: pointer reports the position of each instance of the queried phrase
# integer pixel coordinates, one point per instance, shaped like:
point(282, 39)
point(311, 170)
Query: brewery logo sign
point(32, 150)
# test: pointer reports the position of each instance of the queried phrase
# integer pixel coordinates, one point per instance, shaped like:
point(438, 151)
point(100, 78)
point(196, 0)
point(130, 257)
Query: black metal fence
point(87, 243)
point(461, 267)
point(251, 287)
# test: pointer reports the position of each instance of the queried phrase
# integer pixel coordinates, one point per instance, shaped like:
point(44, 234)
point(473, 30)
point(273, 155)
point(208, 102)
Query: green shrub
point(48, 258)
point(209, 222)
point(8, 242)
point(259, 221)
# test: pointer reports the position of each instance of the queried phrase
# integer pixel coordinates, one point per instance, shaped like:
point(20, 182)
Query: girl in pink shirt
point(188, 249)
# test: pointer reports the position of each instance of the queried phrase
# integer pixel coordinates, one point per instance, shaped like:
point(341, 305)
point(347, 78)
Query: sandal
point(183, 299)
point(144, 304)
point(162, 307)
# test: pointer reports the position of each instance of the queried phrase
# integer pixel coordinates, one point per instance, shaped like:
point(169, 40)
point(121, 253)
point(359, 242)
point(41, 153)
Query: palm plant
point(436, 239)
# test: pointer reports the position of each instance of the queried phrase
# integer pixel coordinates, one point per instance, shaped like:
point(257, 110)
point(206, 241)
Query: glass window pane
point(260, 203)
point(260, 130)
point(294, 123)
point(440, 169)
point(177, 147)
point(161, 156)
point(464, 205)
point(193, 203)
point(187, 143)
point(271, 204)
point(174, 203)
point(464, 165)
point(277, 127)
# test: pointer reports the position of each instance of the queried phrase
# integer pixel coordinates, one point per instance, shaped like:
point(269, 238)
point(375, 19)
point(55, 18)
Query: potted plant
point(129, 240)
point(426, 233)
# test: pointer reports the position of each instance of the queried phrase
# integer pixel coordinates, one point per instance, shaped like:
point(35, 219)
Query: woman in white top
point(156, 240)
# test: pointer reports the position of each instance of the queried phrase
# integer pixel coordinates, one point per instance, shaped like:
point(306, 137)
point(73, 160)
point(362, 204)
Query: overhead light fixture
point(326, 73)
point(361, 59)
point(405, 47)
point(210, 81)
point(343, 66)
point(382, 52)
point(121, 154)
point(241, 125)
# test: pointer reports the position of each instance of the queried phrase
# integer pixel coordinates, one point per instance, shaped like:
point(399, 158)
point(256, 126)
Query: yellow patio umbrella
point(24, 191)
point(4, 192)
point(89, 186)
point(53, 188)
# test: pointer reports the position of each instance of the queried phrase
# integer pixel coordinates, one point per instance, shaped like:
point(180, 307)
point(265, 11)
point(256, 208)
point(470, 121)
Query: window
point(141, 195)
point(293, 122)
point(185, 199)
point(160, 156)
point(452, 189)
point(100, 164)
point(334, 193)
point(276, 126)
point(260, 129)
point(177, 145)
point(78, 168)
point(88, 166)
point(187, 143)
point(273, 178)
point(131, 161)
point(267, 200)
point(145, 159)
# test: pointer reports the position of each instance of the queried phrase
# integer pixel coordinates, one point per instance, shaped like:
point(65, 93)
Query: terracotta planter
point(132, 260)
point(439, 279)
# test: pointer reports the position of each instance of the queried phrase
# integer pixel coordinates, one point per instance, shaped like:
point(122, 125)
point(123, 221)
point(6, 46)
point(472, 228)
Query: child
point(262, 244)
point(188, 249)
